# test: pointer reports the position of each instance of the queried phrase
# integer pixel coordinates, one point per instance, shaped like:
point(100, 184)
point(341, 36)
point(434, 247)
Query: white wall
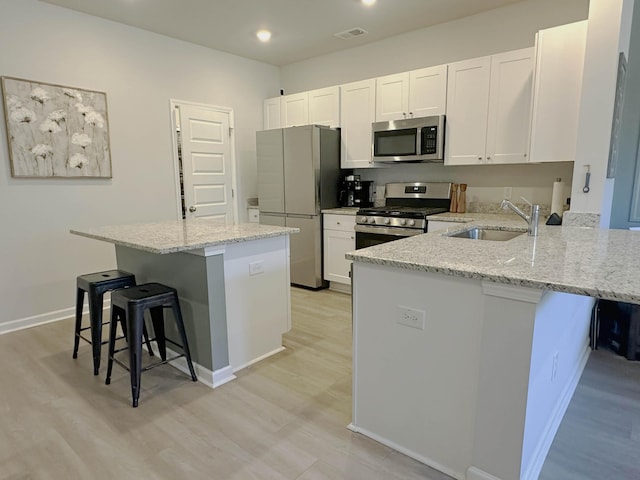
point(140, 72)
point(499, 30)
point(608, 33)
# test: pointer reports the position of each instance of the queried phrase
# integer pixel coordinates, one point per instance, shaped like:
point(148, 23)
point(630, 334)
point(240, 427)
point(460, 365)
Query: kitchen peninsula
point(232, 281)
point(467, 352)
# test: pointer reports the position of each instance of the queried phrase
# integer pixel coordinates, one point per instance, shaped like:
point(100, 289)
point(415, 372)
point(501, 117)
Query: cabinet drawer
point(345, 223)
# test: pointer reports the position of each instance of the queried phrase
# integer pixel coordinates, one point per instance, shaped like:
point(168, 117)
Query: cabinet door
point(392, 97)
point(428, 91)
point(510, 106)
point(556, 95)
point(272, 113)
point(295, 110)
point(357, 113)
point(467, 106)
point(324, 107)
point(336, 244)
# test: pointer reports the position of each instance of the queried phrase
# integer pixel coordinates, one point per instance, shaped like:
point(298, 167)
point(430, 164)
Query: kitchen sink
point(479, 233)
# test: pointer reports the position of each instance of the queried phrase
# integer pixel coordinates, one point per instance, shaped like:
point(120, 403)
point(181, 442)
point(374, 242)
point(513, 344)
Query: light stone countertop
point(341, 210)
point(596, 262)
point(181, 235)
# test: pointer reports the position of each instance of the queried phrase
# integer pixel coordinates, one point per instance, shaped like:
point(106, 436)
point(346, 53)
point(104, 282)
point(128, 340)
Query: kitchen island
point(232, 281)
point(467, 352)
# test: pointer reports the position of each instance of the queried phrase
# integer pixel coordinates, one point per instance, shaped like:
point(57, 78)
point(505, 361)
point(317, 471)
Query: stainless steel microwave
point(409, 140)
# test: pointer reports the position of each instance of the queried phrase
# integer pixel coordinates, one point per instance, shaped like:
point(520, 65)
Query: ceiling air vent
point(352, 32)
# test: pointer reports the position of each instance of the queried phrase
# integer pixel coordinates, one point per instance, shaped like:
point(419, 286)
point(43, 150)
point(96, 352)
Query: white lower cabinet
point(434, 225)
point(339, 238)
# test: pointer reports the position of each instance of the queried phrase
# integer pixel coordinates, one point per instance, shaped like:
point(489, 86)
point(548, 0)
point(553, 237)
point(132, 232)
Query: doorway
point(204, 155)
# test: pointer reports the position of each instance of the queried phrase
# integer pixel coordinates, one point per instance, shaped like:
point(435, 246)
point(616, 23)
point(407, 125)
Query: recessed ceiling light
point(264, 35)
point(368, 3)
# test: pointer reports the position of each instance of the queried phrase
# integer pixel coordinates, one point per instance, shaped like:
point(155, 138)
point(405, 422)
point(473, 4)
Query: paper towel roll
point(557, 197)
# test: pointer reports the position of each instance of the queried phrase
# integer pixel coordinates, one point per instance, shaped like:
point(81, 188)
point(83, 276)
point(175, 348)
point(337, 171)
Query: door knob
point(192, 209)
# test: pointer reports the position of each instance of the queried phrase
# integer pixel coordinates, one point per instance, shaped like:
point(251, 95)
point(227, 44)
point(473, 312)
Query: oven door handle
point(398, 232)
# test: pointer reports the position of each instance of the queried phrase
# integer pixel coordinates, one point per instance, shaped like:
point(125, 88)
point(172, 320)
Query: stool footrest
point(104, 342)
point(148, 367)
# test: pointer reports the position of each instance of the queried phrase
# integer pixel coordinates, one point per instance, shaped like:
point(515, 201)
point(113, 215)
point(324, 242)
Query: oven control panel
point(382, 221)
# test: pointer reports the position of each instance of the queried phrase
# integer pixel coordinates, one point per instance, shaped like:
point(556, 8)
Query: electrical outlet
point(554, 366)
point(256, 268)
point(411, 317)
point(508, 191)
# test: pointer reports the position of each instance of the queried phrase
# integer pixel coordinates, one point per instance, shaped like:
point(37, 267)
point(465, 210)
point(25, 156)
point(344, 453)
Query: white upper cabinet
point(510, 107)
point(419, 93)
point(428, 91)
point(357, 113)
point(467, 107)
point(324, 107)
point(488, 109)
point(392, 97)
point(557, 89)
point(295, 110)
point(272, 113)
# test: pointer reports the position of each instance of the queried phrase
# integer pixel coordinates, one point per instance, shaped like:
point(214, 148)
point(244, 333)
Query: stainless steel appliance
point(410, 140)
point(406, 207)
point(355, 192)
point(298, 174)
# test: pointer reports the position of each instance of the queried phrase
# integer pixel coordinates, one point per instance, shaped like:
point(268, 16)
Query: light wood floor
point(283, 418)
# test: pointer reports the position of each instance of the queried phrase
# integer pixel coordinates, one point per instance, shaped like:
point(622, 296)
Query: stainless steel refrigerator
point(298, 174)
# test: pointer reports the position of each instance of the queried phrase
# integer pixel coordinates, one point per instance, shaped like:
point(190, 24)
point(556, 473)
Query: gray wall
point(628, 160)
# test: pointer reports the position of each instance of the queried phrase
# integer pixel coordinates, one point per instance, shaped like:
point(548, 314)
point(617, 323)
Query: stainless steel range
point(406, 207)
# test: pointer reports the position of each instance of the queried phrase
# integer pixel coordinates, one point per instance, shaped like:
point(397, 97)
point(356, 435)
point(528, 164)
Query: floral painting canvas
point(56, 131)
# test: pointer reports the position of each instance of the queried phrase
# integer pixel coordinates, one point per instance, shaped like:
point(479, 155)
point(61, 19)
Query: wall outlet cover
point(411, 317)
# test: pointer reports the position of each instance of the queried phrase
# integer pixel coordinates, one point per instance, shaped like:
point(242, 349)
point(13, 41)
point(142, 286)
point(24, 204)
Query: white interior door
point(207, 162)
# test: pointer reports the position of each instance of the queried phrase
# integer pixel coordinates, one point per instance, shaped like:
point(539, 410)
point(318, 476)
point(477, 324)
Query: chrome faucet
point(532, 220)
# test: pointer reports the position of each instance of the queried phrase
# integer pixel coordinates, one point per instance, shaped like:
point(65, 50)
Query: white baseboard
point(211, 379)
point(340, 287)
point(474, 473)
point(256, 360)
point(542, 449)
point(409, 453)
point(49, 317)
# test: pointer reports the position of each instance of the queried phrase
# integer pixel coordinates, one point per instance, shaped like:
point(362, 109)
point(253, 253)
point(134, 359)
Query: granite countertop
point(181, 235)
point(596, 262)
point(341, 210)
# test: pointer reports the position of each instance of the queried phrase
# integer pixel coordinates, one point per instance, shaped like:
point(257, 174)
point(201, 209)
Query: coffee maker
point(355, 192)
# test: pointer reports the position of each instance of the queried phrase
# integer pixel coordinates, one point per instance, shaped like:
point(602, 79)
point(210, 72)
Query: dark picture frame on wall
point(614, 144)
point(54, 131)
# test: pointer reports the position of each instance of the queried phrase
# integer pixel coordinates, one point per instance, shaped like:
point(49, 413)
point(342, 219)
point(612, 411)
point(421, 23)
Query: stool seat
point(128, 306)
point(96, 285)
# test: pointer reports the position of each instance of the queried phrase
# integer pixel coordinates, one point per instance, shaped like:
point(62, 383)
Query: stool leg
point(95, 317)
point(177, 314)
point(157, 318)
point(146, 340)
point(116, 313)
point(134, 326)
point(79, 305)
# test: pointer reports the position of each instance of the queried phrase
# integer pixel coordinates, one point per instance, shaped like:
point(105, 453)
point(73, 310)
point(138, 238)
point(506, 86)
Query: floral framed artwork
point(55, 131)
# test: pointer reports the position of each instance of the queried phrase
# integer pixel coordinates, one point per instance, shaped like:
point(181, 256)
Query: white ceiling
point(301, 28)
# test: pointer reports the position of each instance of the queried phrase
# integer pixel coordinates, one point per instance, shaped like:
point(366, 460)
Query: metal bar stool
point(96, 285)
point(128, 306)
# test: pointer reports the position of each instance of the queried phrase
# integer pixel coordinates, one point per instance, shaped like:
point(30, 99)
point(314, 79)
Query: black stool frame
point(128, 307)
point(96, 285)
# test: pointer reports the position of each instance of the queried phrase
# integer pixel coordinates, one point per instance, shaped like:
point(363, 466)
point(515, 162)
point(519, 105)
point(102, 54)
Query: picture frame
point(55, 131)
point(614, 142)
